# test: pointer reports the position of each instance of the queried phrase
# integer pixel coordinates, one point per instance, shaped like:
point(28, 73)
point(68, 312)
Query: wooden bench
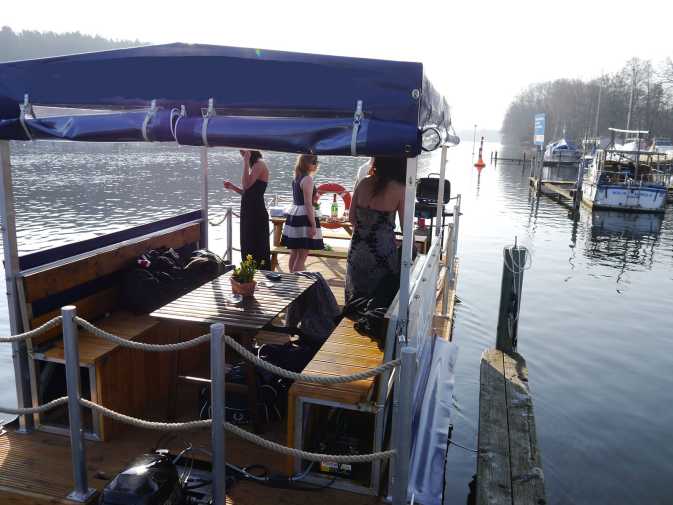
point(116, 377)
point(509, 470)
point(332, 253)
point(344, 352)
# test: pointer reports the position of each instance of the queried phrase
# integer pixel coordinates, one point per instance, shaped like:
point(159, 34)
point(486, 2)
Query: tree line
point(637, 97)
point(29, 44)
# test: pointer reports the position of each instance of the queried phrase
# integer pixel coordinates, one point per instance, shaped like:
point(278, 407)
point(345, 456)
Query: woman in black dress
point(254, 217)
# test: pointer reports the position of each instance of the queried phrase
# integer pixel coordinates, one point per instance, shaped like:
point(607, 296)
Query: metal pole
point(11, 255)
point(514, 259)
point(403, 418)
point(204, 197)
point(82, 492)
point(217, 392)
point(230, 228)
point(440, 191)
point(407, 244)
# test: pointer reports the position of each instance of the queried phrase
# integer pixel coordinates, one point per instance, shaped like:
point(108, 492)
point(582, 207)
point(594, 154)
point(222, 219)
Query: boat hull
point(625, 197)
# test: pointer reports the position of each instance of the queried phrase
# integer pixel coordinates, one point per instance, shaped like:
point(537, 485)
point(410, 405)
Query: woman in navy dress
point(301, 232)
point(254, 217)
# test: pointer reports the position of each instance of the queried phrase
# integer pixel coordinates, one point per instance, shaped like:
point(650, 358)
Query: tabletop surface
point(212, 303)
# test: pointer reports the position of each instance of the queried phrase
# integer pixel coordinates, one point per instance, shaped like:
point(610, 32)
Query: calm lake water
point(595, 324)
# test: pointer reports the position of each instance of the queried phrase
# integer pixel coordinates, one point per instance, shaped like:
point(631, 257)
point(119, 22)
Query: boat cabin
point(131, 375)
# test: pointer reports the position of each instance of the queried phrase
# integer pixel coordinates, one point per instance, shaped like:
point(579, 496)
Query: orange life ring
point(333, 187)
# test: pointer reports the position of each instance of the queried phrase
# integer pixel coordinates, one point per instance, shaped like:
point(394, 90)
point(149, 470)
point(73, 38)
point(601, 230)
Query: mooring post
point(514, 261)
point(496, 157)
point(82, 492)
point(404, 418)
point(524, 158)
point(577, 197)
point(217, 393)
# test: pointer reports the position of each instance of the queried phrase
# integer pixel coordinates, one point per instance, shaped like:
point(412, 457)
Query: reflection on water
point(594, 325)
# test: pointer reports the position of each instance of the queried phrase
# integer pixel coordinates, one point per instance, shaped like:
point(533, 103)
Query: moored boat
point(562, 151)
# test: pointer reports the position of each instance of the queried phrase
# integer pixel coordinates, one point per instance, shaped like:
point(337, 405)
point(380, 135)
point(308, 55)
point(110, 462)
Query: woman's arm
point(307, 189)
point(231, 186)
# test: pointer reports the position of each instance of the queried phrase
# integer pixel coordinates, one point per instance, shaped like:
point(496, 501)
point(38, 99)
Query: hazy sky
point(479, 54)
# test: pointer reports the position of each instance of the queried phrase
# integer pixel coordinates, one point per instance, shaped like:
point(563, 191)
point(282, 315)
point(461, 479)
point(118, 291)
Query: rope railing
point(35, 410)
point(241, 350)
point(245, 353)
point(33, 333)
point(97, 332)
point(240, 432)
point(314, 379)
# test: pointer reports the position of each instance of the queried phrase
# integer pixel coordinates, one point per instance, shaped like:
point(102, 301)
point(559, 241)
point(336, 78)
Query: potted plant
point(242, 280)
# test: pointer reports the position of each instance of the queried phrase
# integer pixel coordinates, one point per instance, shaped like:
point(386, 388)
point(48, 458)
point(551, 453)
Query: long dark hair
point(388, 169)
point(255, 156)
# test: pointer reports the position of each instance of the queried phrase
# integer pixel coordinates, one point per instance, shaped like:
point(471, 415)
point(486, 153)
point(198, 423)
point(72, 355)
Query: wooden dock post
point(496, 157)
point(577, 197)
point(514, 261)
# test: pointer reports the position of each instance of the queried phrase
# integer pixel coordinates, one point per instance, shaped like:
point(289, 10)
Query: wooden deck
point(509, 470)
point(35, 469)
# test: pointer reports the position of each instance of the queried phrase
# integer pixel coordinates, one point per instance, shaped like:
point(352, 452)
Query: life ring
point(333, 187)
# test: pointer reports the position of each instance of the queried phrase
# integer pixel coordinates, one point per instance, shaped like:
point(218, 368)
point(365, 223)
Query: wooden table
point(421, 240)
point(210, 303)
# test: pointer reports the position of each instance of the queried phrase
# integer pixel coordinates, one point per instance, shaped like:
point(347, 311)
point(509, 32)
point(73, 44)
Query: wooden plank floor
point(509, 470)
point(35, 469)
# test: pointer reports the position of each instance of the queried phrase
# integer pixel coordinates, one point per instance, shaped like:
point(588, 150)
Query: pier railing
point(218, 340)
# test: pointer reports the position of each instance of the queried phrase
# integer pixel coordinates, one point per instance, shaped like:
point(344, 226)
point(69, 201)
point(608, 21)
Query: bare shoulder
point(307, 181)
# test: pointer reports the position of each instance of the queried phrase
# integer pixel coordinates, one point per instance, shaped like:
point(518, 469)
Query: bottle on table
point(334, 211)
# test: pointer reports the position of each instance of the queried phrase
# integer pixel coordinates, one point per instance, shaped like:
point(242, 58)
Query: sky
point(479, 54)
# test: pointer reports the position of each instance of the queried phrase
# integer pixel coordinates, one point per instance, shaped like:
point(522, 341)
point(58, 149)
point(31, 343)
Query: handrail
point(70, 322)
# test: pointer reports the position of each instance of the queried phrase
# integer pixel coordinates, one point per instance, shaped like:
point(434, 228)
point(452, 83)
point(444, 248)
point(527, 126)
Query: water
point(594, 325)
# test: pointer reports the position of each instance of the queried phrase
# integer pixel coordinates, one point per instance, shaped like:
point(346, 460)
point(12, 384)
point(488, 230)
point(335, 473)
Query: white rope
point(240, 432)
point(35, 410)
point(276, 370)
point(141, 345)
point(33, 333)
point(315, 379)
point(310, 456)
point(141, 423)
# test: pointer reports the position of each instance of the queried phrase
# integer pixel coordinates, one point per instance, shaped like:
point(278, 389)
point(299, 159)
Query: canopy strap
point(148, 117)
point(206, 117)
point(174, 128)
point(25, 108)
point(357, 119)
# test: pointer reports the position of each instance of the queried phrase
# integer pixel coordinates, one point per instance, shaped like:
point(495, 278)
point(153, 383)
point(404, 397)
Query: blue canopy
point(273, 100)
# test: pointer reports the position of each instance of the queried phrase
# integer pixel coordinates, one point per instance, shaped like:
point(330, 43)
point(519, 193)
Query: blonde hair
point(304, 164)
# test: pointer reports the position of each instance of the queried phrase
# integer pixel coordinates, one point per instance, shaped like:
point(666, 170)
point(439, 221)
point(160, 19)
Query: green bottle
point(334, 211)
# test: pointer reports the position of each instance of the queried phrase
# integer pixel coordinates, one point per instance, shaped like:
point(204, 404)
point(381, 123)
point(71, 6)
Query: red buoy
point(480, 162)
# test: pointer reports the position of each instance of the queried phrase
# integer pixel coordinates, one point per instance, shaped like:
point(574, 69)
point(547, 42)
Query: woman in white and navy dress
point(301, 232)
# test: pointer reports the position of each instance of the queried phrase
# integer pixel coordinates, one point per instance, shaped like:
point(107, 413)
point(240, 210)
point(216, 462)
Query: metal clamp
point(148, 117)
point(357, 119)
point(206, 118)
point(174, 129)
point(26, 108)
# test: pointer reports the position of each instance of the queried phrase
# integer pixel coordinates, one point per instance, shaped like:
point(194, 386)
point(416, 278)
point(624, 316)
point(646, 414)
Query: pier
point(509, 468)
point(563, 191)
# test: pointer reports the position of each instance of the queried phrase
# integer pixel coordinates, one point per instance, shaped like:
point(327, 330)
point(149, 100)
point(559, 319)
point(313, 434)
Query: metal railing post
point(403, 420)
point(82, 492)
point(230, 231)
point(217, 393)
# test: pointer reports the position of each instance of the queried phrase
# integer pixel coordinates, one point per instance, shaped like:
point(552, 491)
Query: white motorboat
point(562, 151)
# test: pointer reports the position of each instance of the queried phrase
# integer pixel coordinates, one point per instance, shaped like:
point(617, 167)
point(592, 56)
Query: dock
point(563, 191)
point(509, 469)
